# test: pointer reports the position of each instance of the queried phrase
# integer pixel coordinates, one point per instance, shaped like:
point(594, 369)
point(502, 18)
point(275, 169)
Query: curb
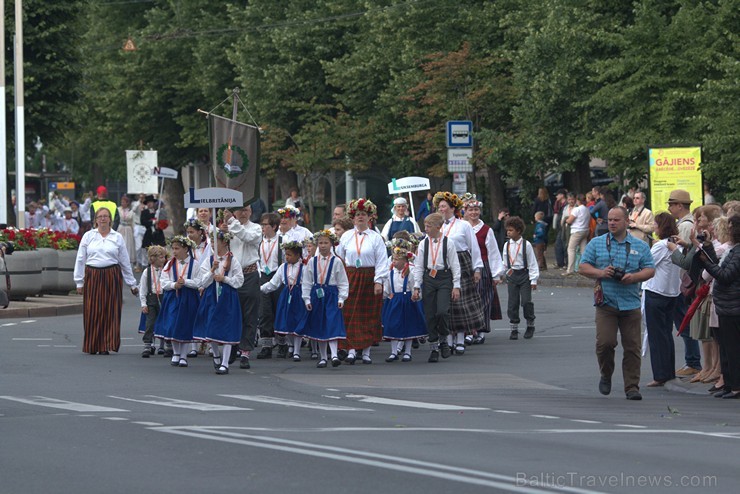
point(46, 306)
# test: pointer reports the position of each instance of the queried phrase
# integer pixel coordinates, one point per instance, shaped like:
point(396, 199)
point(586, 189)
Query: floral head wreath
point(224, 236)
point(293, 244)
point(182, 240)
point(363, 205)
point(288, 212)
point(416, 238)
point(328, 234)
point(401, 246)
point(471, 201)
point(452, 199)
point(156, 249)
point(195, 223)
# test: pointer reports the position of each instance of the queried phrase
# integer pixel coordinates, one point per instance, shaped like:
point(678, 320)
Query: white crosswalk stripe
point(191, 405)
point(412, 404)
point(294, 403)
point(61, 404)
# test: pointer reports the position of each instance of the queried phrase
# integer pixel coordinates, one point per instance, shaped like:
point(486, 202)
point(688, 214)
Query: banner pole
point(159, 199)
point(214, 247)
point(411, 202)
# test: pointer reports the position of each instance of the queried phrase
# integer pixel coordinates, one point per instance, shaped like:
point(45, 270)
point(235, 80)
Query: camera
point(701, 237)
point(618, 274)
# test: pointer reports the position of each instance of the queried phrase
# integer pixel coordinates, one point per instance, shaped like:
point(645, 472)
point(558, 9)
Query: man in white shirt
point(245, 247)
point(578, 220)
point(271, 256)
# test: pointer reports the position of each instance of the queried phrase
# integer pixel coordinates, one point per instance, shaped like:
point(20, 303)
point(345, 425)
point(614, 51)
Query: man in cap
point(400, 220)
point(679, 205)
point(103, 202)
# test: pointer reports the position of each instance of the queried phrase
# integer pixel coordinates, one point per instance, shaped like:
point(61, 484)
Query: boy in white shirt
point(522, 273)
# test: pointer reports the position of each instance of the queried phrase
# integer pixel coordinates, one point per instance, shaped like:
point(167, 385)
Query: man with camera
point(618, 262)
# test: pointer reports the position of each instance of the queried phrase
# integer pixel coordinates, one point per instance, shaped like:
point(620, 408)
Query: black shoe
point(160, 351)
point(529, 332)
point(192, 353)
point(335, 362)
point(243, 363)
point(479, 340)
point(634, 395)
point(104, 353)
point(222, 370)
point(321, 364)
point(445, 350)
point(168, 353)
point(216, 362)
point(350, 359)
point(722, 393)
point(391, 358)
point(282, 351)
point(146, 353)
point(235, 354)
point(434, 356)
point(266, 352)
point(514, 334)
point(605, 386)
point(415, 343)
point(732, 395)
point(342, 354)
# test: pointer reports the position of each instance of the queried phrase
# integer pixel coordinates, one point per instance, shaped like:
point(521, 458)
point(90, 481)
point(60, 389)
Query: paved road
point(509, 416)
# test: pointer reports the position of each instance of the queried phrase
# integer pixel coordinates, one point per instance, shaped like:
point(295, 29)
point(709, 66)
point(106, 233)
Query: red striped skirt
point(362, 310)
point(102, 297)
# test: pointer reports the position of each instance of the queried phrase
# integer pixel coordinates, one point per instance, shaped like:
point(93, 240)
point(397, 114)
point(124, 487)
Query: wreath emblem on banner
point(142, 172)
point(230, 168)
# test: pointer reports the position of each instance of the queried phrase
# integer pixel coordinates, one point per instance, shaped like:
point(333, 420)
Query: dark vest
point(481, 236)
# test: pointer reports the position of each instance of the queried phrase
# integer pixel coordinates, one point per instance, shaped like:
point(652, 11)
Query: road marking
point(32, 339)
point(113, 418)
point(28, 321)
point(500, 482)
point(61, 404)
point(148, 424)
point(583, 421)
point(43, 346)
point(545, 416)
point(332, 397)
point(299, 404)
point(583, 327)
point(191, 405)
point(554, 335)
point(411, 404)
point(65, 346)
point(504, 411)
point(632, 426)
point(10, 324)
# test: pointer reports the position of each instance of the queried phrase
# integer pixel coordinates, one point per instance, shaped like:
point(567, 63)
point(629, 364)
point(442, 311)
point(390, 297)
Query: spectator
point(425, 209)
point(708, 197)
point(103, 202)
point(542, 203)
point(499, 228)
point(258, 209)
point(560, 244)
point(600, 211)
point(539, 239)
point(579, 230)
point(641, 220)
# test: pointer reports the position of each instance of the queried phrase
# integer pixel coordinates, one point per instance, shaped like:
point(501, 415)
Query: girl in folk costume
point(466, 313)
point(197, 231)
point(150, 295)
point(290, 315)
point(219, 317)
point(325, 287)
point(311, 251)
point(126, 226)
point(366, 258)
point(403, 319)
point(493, 268)
point(180, 301)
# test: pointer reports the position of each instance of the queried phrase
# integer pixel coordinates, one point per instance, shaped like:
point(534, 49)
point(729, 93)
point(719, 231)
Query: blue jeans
point(659, 311)
point(692, 355)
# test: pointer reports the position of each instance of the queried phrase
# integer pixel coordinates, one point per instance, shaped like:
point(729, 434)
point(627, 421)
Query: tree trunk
point(172, 195)
point(496, 192)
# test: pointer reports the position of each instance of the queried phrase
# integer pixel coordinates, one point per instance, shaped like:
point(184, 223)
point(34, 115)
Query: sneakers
point(686, 371)
point(266, 352)
point(605, 386)
point(434, 356)
point(444, 349)
point(244, 362)
point(529, 332)
point(634, 395)
point(514, 334)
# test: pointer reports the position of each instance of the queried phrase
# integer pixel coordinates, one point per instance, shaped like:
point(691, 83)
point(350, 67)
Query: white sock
point(297, 344)
point(333, 345)
point(225, 356)
point(214, 349)
point(366, 352)
point(461, 337)
point(194, 346)
point(352, 353)
point(322, 349)
point(449, 339)
point(406, 347)
point(314, 346)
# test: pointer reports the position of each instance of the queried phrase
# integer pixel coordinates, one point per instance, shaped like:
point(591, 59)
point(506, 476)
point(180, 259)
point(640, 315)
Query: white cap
point(400, 200)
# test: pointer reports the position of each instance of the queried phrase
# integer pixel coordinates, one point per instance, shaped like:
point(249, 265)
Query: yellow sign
point(65, 186)
point(674, 168)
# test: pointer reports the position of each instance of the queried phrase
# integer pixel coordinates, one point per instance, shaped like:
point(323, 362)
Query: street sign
point(61, 186)
point(213, 197)
point(163, 172)
point(458, 160)
point(459, 134)
point(408, 184)
point(459, 183)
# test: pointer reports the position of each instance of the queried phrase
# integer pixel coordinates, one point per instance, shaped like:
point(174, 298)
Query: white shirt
point(156, 284)
point(494, 256)
point(514, 258)
point(101, 252)
point(183, 268)
point(288, 279)
point(85, 210)
point(202, 252)
point(372, 252)
point(398, 282)
point(582, 219)
point(246, 242)
point(69, 225)
point(667, 279)
point(453, 262)
point(338, 276)
point(235, 277)
point(269, 254)
point(462, 236)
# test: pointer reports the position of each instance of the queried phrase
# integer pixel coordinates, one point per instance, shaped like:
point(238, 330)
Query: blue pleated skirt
point(219, 321)
point(403, 319)
point(291, 314)
point(325, 320)
point(177, 315)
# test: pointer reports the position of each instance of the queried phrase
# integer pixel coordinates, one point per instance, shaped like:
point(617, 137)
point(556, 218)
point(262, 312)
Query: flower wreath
point(328, 234)
point(451, 199)
point(364, 205)
point(401, 247)
point(471, 201)
point(293, 244)
point(195, 223)
point(288, 212)
point(417, 237)
point(224, 236)
point(182, 240)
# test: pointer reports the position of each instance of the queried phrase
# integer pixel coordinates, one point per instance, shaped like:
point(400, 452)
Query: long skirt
point(489, 297)
point(325, 320)
point(177, 315)
point(102, 297)
point(361, 310)
point(219, 321)
point(466, 314)
point(403, 319)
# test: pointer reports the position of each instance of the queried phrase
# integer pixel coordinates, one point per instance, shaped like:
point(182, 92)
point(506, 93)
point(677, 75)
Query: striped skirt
point(489, 296)
point(466, 314)
point(102, 297)
point(361, 311)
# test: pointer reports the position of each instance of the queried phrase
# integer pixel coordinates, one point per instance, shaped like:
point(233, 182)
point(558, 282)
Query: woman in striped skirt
point(493, 268)
point(466, 313)
point(101, 267)
point(366, 258)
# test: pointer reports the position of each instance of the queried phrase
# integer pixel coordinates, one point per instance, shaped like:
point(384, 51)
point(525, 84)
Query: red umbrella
point(701, 294)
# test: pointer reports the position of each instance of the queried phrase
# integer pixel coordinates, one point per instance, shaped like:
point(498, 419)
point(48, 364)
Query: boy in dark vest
point(522, 274)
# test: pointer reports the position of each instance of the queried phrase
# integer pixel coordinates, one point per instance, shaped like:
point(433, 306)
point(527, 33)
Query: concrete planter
point(65, 274)
point(50, 270)
point(25, 268)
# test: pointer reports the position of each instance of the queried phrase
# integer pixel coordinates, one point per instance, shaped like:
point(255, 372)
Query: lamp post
point(20, 138)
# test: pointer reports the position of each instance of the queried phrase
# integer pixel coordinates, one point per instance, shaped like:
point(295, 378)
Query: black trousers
point(728, 336)
point(520, 292)
point(249, 298)
point(268, 304)
point(436, 294)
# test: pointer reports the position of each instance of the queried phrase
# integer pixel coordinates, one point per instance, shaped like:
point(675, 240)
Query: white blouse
point(280, 278)
point(494, 256)
point(367, 247)
point(461, 234)
point(156, 284)
point(338, 277)
point(235, 278)
point(98, 251)
point(398, 282)
point(183, 267)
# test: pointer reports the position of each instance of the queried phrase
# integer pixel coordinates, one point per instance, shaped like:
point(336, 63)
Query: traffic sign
point(459, 134)
point(458, 160)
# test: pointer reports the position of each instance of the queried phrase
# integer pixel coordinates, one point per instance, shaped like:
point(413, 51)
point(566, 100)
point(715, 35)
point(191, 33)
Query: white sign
point(408, 184)
point(163, 172)
point(458, 160)
point(213, 197)
point(140, 172)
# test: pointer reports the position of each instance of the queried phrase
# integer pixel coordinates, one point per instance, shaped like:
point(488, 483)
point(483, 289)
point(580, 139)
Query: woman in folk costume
point(219, 317)
point(126, 226)
point(291, 314)
point(466, 313)
point(180, 301)
point(325, 287)
point(493, 267)
point(366, 258)
point(197, 231)
point(403, 319)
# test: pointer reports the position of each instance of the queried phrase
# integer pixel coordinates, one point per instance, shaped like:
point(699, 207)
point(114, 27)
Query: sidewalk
point(45, 306)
